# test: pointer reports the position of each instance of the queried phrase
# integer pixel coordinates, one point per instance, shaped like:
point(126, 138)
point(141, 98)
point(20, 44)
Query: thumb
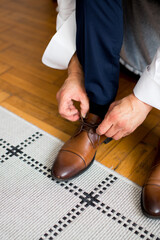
point(84, 106)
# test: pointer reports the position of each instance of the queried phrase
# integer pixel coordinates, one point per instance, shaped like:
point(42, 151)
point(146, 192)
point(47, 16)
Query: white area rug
point(98, 205)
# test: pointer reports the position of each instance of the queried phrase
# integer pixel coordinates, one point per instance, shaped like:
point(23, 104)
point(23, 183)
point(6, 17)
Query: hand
point(73, 89)
point(123, 117)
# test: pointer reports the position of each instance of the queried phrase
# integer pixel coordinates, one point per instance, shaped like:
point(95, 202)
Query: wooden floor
point(28, 88)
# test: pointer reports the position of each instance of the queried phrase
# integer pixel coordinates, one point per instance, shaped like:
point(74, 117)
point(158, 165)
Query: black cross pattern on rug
point(89, 199)
point(14, 151)
point(85, 199)
point(18, 149)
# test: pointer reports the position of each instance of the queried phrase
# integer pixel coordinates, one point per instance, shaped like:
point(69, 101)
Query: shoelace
point(87, 126)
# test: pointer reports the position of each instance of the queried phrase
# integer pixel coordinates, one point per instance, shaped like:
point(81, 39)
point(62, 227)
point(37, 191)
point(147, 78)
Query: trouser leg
point(98, 41)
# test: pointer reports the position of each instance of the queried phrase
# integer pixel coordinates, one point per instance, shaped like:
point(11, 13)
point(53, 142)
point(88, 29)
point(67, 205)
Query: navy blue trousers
point(98, 42)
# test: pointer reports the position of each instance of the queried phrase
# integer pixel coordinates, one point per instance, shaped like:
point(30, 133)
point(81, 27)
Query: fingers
point(123, 117)
point(72, 89)
point(113, 130)
point(111, 126)
point(109, 120)
point(118, 135)
point(84, 105)
point(104, 126)
point(121, 134)
point(68, 111)
point(72, 118)
point(67, 108)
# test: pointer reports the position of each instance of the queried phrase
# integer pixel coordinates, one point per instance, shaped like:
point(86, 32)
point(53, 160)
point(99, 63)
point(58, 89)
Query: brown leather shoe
point(78, 153)
point(150, 199)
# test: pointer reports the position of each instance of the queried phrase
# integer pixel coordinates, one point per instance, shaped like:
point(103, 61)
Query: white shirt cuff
point(59, 22)
point(62, 45)
point(148, 90)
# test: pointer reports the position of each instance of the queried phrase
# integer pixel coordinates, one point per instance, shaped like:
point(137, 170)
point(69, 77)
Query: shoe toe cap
point(151, 200)
point(67, 165)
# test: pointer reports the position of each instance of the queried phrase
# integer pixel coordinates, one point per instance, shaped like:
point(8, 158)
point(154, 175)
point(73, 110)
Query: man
point(93, 72)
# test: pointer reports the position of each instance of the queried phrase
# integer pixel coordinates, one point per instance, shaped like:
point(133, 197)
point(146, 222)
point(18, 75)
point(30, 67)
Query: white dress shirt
point(63, 45)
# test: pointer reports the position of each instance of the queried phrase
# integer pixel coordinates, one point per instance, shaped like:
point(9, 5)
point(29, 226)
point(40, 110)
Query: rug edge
point(51, 136)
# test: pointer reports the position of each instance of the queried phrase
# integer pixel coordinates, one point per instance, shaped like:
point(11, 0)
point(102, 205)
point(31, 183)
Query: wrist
point(74, 67)
point(75, 77)
point(75, 74)
point(146, 106)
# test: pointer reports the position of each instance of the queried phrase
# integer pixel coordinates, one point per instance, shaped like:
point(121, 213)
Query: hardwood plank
point(27, 62)
point(31, 8)
point(35, 110)
point(136, 160)
point(24, 23)
point(3, 96)
point(141, 171)
point(4, 27)
point(49, 83)
point(48, 94)
point(4, 67)
point(39, 103)
point(26, 107)
point(21, 77)
point(27, 36)
point(65, 125)
point(4, 45)
point(125, 87)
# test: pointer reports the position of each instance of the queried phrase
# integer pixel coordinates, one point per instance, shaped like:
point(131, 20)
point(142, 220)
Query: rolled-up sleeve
point(63, 44)
point(147, 88)
point(65, 9)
